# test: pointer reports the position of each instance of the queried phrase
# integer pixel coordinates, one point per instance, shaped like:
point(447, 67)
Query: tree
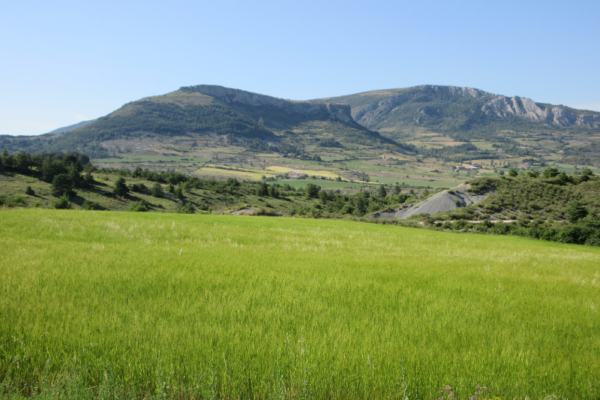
point(62, 185)
point(47, 169)
point(586, 175)
point(360, 208)
point(156, 190)
point(178, 193)
point(88, 179)
point(512, 172)
point(397, 189)
point(312, 191)
point(263, 189)
point(323, 195)
point(274, 192)
point(550, 172)
point(381, 191)
point(121, 188)
point(575, 211)
point(74, 175)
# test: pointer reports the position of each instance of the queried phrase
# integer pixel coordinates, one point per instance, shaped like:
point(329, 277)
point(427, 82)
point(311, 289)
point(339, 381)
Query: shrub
point(62, 203)
point(156, 191)
point(575, 211)
point(16, 201)
point(138, 206)
point(187, 208)
point(29, 191)
point(90, 205)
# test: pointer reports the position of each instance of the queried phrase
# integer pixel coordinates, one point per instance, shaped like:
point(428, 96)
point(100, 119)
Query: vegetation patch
point(138, 305)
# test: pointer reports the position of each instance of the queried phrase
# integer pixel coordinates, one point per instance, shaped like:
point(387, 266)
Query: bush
point(62, 203)
point(29, 191)
point(156, 190)
point(187, 208)
point(16, 201)
point(575, 211)
point(138, 206)
point(90, 205)
point(138, 188)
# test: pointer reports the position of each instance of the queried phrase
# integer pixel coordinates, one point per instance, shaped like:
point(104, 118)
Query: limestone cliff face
point(378, 112)
point(503, 106)
point(340, 112)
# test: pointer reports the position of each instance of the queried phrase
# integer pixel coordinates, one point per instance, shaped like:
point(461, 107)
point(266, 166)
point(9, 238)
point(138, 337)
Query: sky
point(62, 62)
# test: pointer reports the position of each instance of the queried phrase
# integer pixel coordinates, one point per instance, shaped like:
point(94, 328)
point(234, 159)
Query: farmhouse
point(296, 175)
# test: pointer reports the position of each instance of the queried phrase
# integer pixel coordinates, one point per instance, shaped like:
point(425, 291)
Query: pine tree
point(121, 188)
point(62, 185)
point(156, 190)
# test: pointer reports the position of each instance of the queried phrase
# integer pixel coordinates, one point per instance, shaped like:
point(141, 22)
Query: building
point(296, 175)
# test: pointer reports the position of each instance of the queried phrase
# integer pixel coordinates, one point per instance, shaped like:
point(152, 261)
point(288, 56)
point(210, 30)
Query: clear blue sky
point(65, 61)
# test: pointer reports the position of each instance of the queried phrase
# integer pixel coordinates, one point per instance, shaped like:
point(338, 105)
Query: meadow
point(134, 305)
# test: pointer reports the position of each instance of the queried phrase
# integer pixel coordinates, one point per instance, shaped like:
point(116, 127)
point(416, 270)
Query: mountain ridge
point(372, 108)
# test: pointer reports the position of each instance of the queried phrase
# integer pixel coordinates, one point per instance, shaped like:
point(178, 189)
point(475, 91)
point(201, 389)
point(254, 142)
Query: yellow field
point(247, 174)
point(326, 174)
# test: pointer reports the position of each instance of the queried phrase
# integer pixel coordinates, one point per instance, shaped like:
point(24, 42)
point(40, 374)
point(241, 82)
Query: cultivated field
point(124, 305)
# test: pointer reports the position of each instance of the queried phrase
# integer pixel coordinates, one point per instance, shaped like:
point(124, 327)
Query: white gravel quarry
point(442, 201)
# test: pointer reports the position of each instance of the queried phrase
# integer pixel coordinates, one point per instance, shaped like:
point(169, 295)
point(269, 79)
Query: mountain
point(70, 127)
point(205, 110)
point(460, 112)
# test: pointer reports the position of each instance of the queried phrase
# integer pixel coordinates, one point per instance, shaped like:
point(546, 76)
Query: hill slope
point(462, 112)
point(70, 127)
point(209, 110)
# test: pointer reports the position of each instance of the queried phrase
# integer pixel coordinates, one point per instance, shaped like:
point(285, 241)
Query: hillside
point(465, 113)
point(70, 127)
point(207, 111)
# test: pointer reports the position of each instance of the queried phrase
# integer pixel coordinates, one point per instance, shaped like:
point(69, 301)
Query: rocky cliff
point(503, 106)
point(456, 108)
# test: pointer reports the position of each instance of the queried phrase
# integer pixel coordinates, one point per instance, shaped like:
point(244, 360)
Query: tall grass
point(124, 305)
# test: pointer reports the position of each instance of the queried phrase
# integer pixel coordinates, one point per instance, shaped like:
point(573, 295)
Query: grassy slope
point(14, 185)
point(270, 307)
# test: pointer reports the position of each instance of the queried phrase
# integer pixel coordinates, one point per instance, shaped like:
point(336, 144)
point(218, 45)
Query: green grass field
point(133, 305)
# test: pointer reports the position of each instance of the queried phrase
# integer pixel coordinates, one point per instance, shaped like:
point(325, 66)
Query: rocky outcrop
point(378, 112)
point(503, 106)
point(340, 112)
